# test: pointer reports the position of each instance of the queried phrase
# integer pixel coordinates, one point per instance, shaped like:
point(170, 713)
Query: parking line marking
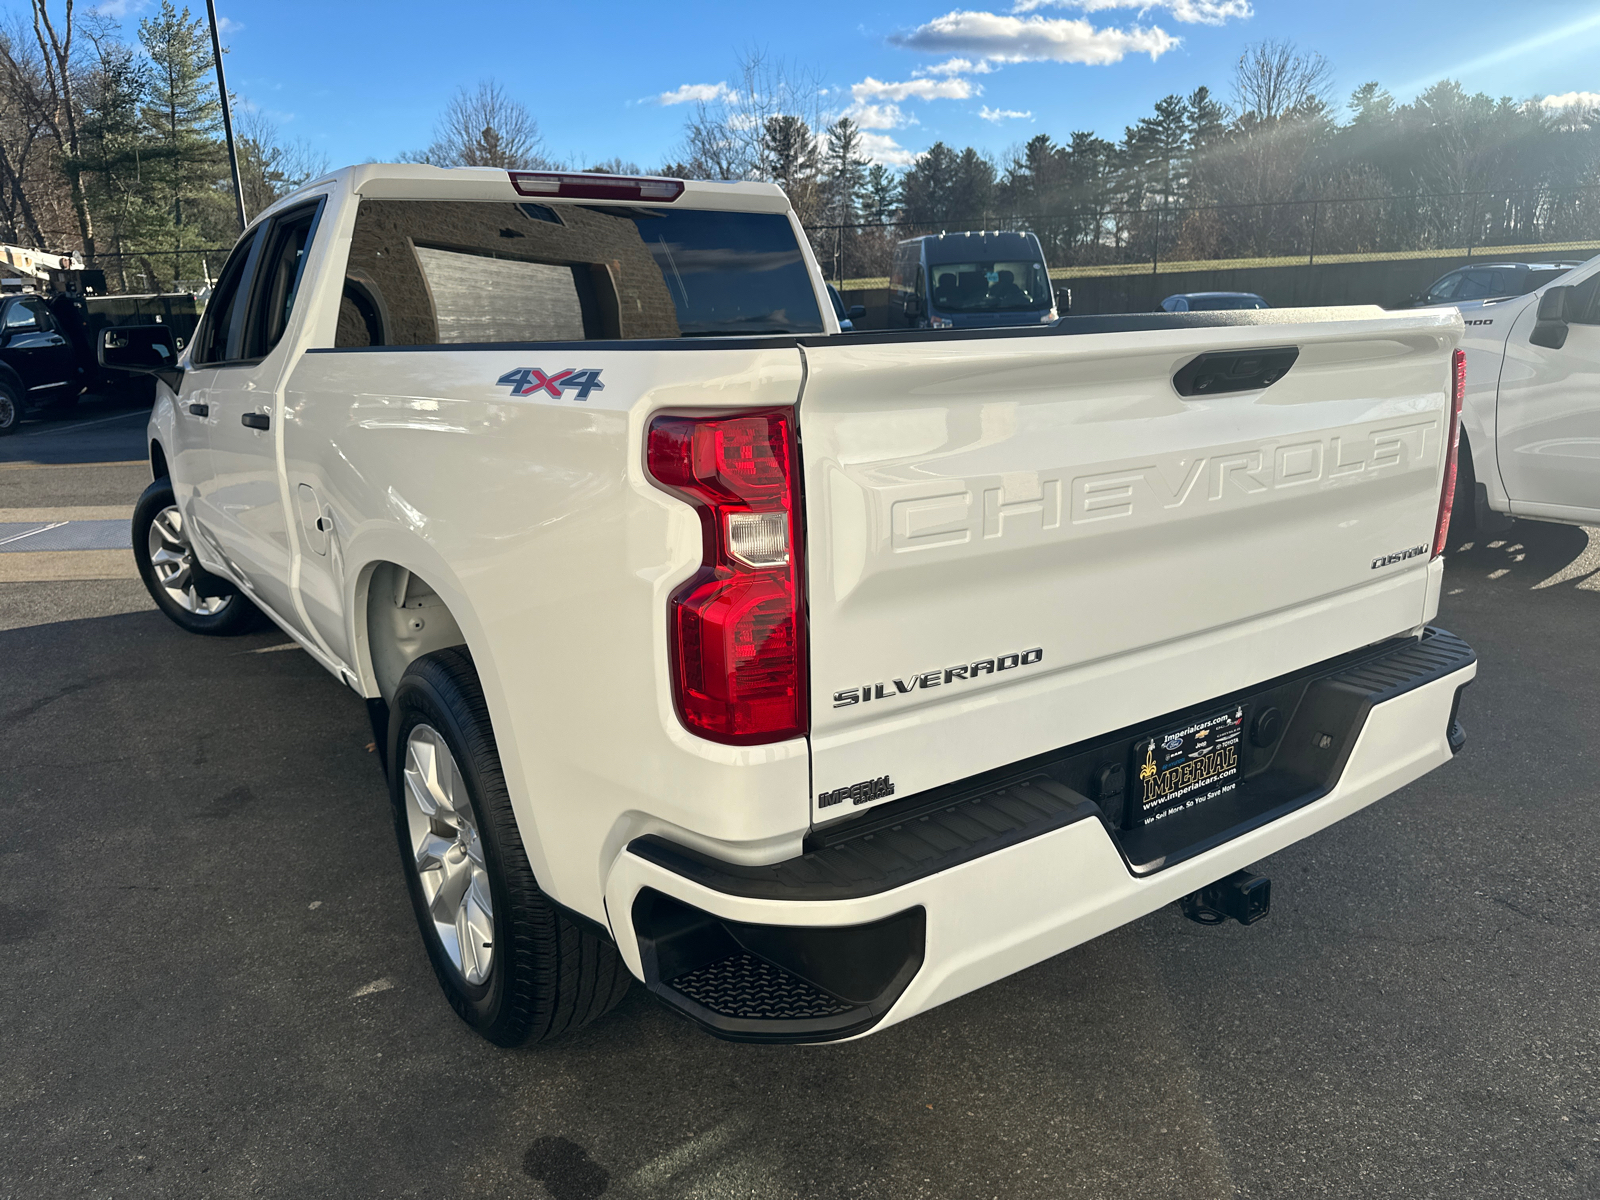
point(73, 428)
point(33, 466)
point(17, 537)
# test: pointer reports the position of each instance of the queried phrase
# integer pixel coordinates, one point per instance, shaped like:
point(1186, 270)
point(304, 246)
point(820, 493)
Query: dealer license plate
point(1184, 767)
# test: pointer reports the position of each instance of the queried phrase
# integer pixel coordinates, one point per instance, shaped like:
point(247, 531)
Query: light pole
point(227, 113)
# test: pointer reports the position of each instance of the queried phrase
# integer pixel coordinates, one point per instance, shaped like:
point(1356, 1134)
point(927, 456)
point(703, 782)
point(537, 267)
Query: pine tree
point(882, 194)
point(183, 161)
point(790, 159)
point(844, 172)
point(112, 90)
point(928, 188)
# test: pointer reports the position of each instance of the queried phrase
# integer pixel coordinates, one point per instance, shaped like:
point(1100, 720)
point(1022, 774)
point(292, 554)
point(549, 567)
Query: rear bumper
point(1028, 882)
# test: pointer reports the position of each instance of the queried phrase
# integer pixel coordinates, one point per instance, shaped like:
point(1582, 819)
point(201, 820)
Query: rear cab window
point(454, 273)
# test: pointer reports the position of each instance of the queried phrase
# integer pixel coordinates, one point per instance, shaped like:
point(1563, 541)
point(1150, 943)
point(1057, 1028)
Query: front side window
point(28, 314)
point(990, 286)
point(425, 273)
point(278, 276)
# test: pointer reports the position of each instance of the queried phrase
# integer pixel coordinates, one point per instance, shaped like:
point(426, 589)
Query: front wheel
point(510, 963)
point(186, 592)
point(10, 407)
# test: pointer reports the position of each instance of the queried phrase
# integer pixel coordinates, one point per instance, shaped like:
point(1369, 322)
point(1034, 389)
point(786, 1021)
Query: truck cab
point(1531, 418)
point(971, 281)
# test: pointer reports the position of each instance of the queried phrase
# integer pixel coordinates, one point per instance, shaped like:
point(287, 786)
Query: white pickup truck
point(811, 679)
point(1531, 417)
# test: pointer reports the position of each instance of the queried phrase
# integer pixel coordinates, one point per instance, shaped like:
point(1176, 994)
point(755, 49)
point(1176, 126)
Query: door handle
point(255, 420)
point(199, 410)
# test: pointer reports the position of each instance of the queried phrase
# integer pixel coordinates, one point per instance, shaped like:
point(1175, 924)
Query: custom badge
point(525, 381)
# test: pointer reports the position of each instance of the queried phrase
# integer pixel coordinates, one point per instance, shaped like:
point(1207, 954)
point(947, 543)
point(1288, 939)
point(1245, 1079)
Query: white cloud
point(913, 89)
point(881, 148)
point(1034, 39)
point(1191, 12)
point(691, 93)
point(877, 116)
point(1572, 100)
point(1002, 114)
point(227, 25)
point(955, 66)
point(118, 10)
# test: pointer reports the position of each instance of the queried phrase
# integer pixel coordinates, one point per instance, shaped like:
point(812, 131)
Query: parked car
point(1531, 420)
point(1476, 283)
point(971, 281)
point(1211, 301)
point(47, 347)
point(813, 681)
point(847, 317)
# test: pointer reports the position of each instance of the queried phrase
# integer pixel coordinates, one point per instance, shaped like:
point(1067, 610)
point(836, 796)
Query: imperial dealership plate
point(1183, 767)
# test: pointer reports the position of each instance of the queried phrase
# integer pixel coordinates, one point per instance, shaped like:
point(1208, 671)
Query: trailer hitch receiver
point(1243, 896)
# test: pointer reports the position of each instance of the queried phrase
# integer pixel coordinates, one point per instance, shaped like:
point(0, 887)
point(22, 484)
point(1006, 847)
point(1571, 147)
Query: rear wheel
point(184, 590)
point(511, 965)
point(1464, 509)
point(10, 407)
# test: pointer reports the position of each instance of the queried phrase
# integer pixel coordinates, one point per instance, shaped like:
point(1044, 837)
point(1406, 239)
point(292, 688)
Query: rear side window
point(1445, 288)
point(445, 273)
point(1480, 284)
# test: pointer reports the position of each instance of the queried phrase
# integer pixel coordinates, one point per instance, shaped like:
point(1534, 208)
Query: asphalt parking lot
point(213, 985)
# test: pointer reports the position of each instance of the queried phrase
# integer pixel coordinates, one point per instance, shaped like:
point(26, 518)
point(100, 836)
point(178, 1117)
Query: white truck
point(1531, 417)
point(811, 680)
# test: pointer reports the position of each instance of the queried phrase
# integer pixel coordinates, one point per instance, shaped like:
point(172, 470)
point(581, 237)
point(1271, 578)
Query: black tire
point(10, 407)
point(548, 975)
point(1464, 509)
point(236, 613)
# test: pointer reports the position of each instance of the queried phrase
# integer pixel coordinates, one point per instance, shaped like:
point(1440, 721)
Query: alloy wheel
point(172, 559)
point(449, 854)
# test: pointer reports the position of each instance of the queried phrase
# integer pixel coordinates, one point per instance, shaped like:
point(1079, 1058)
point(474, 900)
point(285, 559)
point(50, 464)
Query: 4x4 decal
point(525, 381)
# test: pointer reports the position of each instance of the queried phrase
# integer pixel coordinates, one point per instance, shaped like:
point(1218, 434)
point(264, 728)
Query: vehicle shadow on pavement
point(215, 986)
point(1529, 554)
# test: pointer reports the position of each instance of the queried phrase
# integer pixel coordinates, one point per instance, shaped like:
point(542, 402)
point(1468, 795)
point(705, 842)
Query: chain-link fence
point(135, 271)
point(1164, 237)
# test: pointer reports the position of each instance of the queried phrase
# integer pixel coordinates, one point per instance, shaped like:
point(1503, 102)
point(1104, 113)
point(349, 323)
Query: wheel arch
point(158, 460)
point(400, 615)
point(397, 584)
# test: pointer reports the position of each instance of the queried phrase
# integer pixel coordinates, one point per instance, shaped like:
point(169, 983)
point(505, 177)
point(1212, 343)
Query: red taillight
point(1447, 494)
point(737, 627)
point(594, 187)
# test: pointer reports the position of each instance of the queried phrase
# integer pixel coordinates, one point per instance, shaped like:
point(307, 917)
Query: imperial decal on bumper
point(933, 679)
point(860, 793)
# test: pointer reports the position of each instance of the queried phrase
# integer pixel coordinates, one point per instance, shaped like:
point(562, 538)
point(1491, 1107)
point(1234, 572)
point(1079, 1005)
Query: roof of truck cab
point(417, 181)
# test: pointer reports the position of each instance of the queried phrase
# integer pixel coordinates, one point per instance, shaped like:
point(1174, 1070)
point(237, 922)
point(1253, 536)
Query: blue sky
point(365, 80)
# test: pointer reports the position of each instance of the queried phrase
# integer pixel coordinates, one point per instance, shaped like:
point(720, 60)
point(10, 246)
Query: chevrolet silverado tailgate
point(1016, 540)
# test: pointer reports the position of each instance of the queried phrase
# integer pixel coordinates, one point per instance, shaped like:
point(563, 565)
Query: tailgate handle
point(1234, 371)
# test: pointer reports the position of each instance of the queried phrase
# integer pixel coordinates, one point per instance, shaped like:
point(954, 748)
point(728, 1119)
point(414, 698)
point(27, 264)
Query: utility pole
point(227, 113)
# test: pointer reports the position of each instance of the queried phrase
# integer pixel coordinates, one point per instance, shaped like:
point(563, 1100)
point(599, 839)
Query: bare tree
point(61, 117)
point(23, 139)
point(485, 128)
point(1275, 79)
point(269, 167)
point(725, 137)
